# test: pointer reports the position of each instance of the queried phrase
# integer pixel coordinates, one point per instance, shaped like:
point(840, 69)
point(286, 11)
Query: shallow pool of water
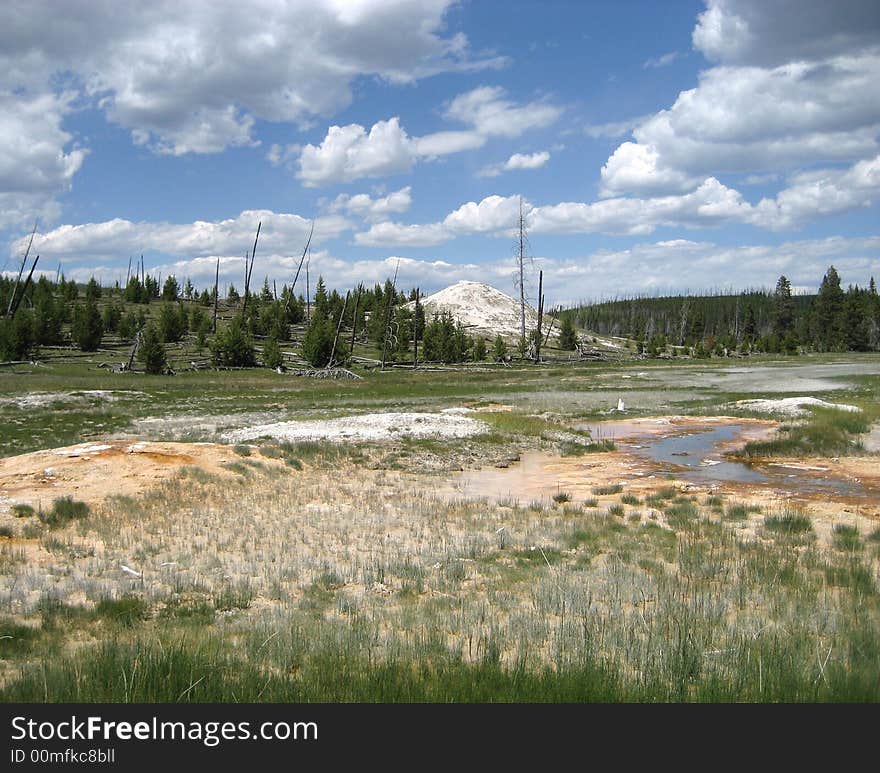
point(698, 457)
point(689, 452)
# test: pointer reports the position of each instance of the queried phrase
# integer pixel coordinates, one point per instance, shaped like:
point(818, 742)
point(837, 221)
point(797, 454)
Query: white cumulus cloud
point(349, 153)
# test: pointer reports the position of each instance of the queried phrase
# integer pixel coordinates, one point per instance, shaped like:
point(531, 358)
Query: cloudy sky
point(655, 145)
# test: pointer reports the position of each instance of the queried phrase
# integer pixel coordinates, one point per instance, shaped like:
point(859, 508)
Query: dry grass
point(385, 569)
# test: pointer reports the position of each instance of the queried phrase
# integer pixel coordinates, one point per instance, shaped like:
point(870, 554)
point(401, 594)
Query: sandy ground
point(91, 472)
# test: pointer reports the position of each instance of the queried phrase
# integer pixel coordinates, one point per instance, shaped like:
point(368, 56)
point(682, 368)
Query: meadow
point(347, 572)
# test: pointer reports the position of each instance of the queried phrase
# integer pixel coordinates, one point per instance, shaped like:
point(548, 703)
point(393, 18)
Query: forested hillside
point(833, 319)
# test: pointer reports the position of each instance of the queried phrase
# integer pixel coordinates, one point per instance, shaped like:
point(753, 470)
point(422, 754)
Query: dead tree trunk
point(299, 268)
point(216, 293)
point(338, 328)
point(540, 317)
point(388, 316)
point(354, 318)
point(416, 331)
point(21, 270)
point(24, 288)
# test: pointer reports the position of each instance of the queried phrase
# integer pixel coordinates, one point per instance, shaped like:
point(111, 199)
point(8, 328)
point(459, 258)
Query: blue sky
point(656, 146)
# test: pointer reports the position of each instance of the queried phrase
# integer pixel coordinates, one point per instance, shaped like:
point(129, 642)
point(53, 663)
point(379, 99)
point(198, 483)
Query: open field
point(525, 562)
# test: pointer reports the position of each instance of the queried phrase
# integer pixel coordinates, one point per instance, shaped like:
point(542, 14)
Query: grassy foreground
point(329, 583)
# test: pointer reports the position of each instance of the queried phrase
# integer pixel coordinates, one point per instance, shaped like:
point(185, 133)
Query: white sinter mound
point(791, 406)
point(371, 426)
point(481, 309)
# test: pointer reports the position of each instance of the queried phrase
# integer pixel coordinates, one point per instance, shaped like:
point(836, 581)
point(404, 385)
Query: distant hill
point(482, 309)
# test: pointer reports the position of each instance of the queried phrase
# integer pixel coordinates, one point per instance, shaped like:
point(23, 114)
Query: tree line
point(156, 314)
point(778, 321)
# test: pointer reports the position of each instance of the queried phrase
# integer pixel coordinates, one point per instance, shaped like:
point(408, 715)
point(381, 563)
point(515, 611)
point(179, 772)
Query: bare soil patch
point(91, 472)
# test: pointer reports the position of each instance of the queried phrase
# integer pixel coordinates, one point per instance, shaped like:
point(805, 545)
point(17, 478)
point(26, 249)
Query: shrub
point(63, 511)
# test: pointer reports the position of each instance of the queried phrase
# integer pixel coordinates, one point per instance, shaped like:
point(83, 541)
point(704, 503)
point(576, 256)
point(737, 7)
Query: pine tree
point(321, 305)
point(828, 314)
point(499, 348)
point(172, 323)
point(856, 320)
point(318, 341)
point(129, 326)
point(567, 334)
point(170, 290)
point(111, 317)
point(151, 351)
point(783, 309)
point(272, 357)
point(233, 346)
point(480, 350)
point(93, 290)
point(17, 336)
point(87, 329)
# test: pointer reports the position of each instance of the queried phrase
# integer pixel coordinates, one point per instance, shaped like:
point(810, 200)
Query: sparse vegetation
point(64, 510)
point(611, 488)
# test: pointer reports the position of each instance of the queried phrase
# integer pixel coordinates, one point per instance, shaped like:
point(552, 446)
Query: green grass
point(630, 499)
point(846, 538)
point(789, 523)
point(23, 511)
point(64, 510)
point(571, 448)
point(610, 488)
point(125, 611)
point(827, 432)
point(739, 511)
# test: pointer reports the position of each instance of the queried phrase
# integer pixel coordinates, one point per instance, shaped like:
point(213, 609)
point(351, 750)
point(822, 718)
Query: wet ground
point(690, 451)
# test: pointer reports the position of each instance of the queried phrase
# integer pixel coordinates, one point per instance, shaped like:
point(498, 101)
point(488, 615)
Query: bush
point(63, 511)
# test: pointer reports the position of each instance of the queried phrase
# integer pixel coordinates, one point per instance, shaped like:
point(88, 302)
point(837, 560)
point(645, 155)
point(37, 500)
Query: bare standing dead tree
point(390, 312)
point(522, 258)
point(249, 269)
point(24, 288)
point(299, 267)
point(21, 269)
